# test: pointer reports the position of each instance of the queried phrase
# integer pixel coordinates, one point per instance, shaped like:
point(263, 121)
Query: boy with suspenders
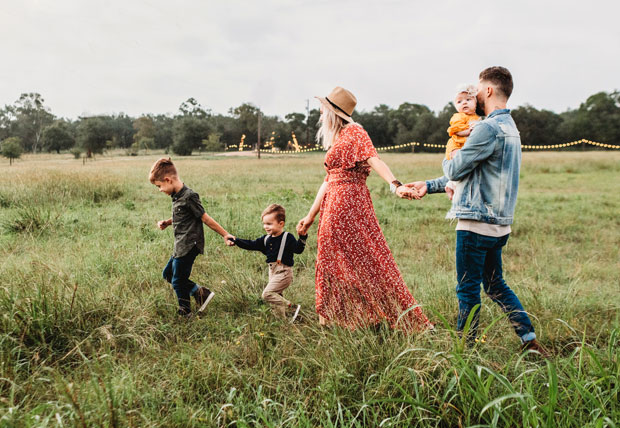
point(279, 247)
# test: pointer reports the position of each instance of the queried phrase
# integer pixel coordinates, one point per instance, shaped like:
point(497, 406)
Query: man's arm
point(437, 185)
point(477, 148)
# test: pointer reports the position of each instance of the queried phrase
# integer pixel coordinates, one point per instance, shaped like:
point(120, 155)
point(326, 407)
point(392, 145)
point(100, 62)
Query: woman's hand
point(407, 193)
point(304, 224)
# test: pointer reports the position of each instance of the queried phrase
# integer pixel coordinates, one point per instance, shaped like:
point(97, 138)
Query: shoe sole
point(295, 314)
point(204, 305)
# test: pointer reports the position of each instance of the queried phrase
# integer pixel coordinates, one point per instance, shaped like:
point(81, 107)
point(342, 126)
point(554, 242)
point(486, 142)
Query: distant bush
point(76, 152)
point(11, 148)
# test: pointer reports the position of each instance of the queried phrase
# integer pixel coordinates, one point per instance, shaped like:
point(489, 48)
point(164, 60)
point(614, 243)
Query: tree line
point(28, 125)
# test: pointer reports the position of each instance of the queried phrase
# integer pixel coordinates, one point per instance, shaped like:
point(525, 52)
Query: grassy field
point(89, 334)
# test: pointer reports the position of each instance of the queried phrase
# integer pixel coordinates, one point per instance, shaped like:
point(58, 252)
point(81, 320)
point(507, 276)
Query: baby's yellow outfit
point(459, 122)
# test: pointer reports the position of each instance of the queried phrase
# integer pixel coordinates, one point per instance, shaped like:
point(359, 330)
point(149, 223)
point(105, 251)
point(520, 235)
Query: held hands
point(408, 193)
point(419, 186)
point(162, 224)
point(230, 240)
point(304, 224)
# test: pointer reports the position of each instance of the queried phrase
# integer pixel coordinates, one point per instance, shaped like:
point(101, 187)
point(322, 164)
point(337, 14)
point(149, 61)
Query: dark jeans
point(177, 273)
point(479, 260)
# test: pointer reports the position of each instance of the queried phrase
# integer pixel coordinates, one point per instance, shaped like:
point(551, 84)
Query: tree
point(58, 136)
point(120, 130)
point(11, 148)
point(93, 133)
point(247, 121)
point(163, 131)
point(377, 124)
point(191, 107)
point(213, 143)
point(189, 131)
point(405, 119)
point(440, 134)
point(144, 128)
point(31, 117)
point(537, 127)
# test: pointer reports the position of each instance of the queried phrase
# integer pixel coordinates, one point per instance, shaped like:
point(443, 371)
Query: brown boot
point(533, 345)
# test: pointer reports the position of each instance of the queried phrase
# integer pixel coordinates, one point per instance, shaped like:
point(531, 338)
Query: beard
point(479, 107)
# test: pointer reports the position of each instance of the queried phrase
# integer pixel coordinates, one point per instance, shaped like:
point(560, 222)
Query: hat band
point(335, 106)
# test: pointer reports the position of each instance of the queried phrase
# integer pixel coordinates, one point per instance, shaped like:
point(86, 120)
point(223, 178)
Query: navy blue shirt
point(292, 246)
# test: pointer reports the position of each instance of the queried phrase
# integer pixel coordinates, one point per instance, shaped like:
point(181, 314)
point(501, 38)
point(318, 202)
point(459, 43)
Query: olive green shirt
point(187, 212)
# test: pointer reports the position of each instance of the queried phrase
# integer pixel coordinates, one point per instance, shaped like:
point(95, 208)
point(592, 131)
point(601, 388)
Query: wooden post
point(258, 143)
point(308, 122)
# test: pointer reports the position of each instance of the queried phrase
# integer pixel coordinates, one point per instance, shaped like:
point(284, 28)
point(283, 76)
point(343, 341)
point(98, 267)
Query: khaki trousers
point(280, 277)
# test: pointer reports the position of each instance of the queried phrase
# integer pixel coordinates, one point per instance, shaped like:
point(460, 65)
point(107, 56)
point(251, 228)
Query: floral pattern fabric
point(358, 283)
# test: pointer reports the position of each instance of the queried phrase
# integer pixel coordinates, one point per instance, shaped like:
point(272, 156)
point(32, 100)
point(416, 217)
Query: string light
point(442, 146)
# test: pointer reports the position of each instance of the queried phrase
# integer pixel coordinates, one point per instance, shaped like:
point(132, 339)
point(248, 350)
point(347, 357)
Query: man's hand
point(449, 192)
point(162, 224)
point(230, 240)
point(407, 193)
point(420, 186)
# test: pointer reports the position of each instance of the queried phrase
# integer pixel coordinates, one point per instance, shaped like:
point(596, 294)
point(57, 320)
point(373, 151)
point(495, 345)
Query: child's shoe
point(203, 296)
point(533, 345)
point(184, 314)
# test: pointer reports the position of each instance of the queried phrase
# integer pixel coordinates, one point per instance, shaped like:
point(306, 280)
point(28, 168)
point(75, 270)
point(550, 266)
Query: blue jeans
point(177, 273)
point(479, 260)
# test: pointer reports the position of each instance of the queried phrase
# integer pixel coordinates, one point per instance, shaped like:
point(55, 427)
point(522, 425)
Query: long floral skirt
point(357, 281)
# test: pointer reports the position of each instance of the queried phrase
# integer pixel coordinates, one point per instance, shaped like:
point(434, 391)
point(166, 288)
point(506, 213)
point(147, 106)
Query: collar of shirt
point(177, 195)
point(499, 111)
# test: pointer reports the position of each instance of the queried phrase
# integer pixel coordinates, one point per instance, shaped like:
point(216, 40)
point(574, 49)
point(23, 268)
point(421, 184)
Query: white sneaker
point(294, 317)
point(205, 300)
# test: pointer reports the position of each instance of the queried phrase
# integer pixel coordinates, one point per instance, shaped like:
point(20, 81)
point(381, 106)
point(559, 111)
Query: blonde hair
point(162, 168)
point(466, 88)
point(331, 125)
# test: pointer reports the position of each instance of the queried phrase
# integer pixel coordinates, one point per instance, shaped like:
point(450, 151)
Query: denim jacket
point(487, 172)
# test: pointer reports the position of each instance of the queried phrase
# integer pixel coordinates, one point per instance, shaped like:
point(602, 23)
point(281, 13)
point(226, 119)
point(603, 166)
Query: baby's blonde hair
point(470, 90)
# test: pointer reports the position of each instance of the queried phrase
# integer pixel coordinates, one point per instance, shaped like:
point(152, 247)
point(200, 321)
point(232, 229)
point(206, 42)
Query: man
point(487, 171)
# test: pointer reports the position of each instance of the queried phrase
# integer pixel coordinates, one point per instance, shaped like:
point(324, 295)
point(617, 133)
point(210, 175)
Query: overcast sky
point(148, 56)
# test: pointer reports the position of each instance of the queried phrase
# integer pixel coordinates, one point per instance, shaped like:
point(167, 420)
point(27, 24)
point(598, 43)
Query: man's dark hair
point(500, 77)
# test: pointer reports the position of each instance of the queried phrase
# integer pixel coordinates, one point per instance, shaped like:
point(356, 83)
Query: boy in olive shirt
point(187, 218)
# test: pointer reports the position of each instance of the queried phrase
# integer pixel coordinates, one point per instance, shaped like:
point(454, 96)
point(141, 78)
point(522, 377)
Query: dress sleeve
point(458, 123)
point(359, 145)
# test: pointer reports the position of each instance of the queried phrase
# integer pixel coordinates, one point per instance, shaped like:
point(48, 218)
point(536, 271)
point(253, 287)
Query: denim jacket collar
point(498, 111)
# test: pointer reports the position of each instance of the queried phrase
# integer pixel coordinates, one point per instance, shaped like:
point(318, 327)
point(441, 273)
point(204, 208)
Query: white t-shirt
point(481, 228)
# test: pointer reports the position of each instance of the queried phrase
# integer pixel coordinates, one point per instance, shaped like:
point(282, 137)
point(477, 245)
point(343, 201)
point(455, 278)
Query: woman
point(357, 281)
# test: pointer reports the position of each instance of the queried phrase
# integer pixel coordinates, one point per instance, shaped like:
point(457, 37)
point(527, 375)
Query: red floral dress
point(357, 281)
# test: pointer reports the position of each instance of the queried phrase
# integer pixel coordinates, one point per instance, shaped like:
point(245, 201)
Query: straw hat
point(341, 102)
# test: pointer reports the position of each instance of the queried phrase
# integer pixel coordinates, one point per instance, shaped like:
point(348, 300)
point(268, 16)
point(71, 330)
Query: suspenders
point(282, 245)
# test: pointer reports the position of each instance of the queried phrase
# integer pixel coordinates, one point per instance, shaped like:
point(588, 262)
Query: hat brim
point(328, 105)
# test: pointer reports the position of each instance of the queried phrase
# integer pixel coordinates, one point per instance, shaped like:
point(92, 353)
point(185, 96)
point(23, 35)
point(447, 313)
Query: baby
point(461, 124)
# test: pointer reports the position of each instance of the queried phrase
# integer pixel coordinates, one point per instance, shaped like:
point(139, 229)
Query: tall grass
point(89, 336)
